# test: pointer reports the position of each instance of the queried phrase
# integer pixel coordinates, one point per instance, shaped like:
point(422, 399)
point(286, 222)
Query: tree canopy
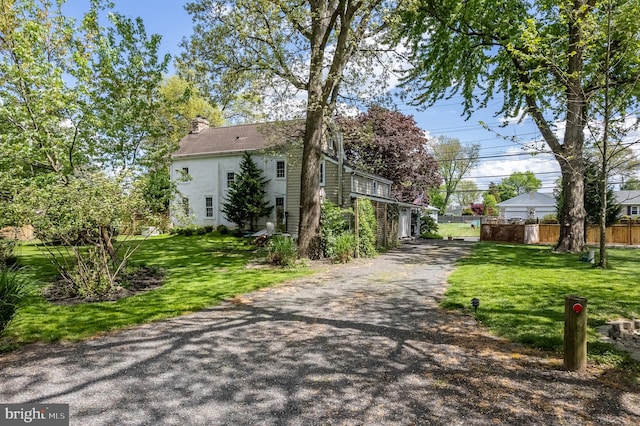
point(543, 58)
point(455, 161)
point(631, 184)
point(78, 120)
point(390, 144)
point(466, 192)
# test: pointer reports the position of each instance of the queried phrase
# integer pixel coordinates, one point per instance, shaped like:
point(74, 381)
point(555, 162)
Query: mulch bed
point(139, 281)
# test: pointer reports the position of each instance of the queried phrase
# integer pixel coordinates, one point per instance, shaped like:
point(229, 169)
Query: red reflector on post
point(577, 308)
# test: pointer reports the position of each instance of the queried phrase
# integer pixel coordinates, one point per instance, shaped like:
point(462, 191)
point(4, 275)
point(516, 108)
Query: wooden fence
point(620, 234)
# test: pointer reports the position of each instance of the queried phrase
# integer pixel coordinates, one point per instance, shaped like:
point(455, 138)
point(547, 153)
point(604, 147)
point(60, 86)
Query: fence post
point(575, 333)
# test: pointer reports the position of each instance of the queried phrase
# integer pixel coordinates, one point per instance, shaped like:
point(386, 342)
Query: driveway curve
point(362, 344)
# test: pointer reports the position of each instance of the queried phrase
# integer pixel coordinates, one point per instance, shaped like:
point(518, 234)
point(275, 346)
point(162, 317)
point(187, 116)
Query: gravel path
point(362, 344)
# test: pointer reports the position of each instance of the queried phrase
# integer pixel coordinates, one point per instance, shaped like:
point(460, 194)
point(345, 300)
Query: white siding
point(520, 212)
point(209, 179)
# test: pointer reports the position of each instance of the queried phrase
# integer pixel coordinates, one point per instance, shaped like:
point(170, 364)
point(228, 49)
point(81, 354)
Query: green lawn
point(201, 271)
point(522, 289)
point(458, 230)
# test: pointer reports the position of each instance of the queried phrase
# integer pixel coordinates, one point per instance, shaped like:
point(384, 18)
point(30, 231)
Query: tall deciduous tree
point(466, 193)
point(631, 184)
point(454, 162)
point(182, 103)
point(245, 202)
point(76, 98)
point(545, 58)
point(282, 47)
point(518, 183)
point(390, 144)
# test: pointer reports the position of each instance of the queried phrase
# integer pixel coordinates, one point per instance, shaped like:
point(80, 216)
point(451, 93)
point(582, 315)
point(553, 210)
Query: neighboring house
point(209, 160)
point(630, 202)
point(532, 205)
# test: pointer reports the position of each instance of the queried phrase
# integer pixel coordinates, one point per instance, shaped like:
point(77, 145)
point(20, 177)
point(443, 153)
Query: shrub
point(368, 227)
point(12, 293)
point(91, 277)
point(428, 224)
point(201, 230)
point(333, 221)
point(222, 230)
point(282, 251)
point(7, 252)
point(345, 245)
point(208, 229)
point(237, 232)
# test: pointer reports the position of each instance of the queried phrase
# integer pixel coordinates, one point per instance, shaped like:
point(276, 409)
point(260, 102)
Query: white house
point(532, 205)
point(208, 160)
point(630, 202)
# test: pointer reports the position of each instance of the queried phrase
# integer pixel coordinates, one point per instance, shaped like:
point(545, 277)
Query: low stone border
point(624, 335)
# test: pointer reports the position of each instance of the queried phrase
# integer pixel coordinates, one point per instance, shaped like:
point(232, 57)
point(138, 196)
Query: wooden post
point(356, 225)
point(575, 333)
point(385, 239)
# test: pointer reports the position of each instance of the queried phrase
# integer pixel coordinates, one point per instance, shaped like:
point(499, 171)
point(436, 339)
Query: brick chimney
point(199, 124)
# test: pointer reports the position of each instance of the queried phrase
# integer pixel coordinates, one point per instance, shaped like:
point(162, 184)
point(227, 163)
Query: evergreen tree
point(245, 202)
point(592, 195)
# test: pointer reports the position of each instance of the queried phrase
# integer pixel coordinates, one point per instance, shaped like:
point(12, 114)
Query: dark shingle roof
point(246, 137)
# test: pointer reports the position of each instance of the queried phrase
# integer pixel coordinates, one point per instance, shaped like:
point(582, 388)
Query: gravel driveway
point(361, 344)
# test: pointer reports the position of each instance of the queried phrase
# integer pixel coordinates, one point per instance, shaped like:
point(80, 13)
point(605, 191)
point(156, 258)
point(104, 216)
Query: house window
point(208, 205)
point(375, 188)
point(322, 173)
point(634, 210)
point(183, 175)
point(231, 177)
point(280, 170)
point(185, 206)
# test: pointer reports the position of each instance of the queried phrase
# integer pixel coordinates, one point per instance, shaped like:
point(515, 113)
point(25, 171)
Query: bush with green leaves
point(282, 251)
point(76, 222)
point(334, 222)
point(7, 252)
point(222, 229)
point(12, 293)
point(428, 224)
point(367, 231)
point(345, 245)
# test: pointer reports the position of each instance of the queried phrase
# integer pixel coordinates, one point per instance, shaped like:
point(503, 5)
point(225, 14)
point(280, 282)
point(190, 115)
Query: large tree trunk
point(309, 226)
point(572, 234)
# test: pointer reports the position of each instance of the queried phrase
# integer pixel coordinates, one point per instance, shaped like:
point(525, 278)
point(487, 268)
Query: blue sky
point(499, 157)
